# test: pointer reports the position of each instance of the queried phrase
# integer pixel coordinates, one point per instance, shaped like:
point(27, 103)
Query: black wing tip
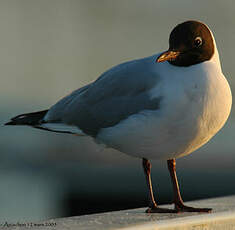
point(10, 123)
point(27, 118)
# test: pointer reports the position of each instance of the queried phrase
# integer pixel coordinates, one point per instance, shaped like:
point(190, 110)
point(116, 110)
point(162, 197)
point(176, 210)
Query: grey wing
point(115, 95)
point(56, 112)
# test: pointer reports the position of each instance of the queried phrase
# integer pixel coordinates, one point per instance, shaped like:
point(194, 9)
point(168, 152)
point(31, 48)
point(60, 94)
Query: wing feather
point(115, 95)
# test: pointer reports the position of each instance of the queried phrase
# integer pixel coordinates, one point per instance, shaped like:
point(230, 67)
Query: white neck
point(215, 57)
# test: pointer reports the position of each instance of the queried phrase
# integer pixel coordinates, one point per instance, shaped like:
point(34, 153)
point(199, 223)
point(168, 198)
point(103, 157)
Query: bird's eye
point(198, 41)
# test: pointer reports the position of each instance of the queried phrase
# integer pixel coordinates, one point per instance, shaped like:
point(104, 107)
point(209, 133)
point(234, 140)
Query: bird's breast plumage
point(196, 102)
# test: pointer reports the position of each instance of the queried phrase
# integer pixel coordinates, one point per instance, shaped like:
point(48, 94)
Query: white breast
point(196, 104)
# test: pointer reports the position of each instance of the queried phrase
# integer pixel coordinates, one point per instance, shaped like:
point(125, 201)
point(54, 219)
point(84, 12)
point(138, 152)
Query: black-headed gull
point(161, 107)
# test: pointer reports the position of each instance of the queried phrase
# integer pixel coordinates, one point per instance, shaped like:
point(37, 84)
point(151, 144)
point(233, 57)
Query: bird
point(161, 107)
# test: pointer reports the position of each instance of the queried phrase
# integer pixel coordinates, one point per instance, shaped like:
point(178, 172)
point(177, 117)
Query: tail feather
point(28, 118)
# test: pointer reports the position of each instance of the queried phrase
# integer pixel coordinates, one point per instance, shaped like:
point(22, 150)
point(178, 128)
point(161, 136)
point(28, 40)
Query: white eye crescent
point(197, 41)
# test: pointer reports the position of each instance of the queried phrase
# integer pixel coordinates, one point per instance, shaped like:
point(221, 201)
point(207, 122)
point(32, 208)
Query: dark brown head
point(191, 42)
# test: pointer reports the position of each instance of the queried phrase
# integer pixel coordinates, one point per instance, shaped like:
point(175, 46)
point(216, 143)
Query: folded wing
point(114, 96)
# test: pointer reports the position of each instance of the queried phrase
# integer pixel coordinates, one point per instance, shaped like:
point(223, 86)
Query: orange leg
point(179, 205)
point(153, 207)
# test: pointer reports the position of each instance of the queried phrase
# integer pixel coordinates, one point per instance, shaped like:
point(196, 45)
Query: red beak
point(168, 56)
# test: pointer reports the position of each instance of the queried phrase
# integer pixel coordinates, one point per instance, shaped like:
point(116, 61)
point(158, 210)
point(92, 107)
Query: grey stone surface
point(222, 217)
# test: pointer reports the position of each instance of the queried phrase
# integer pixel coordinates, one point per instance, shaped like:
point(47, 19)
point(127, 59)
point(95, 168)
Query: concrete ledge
point(222, 217)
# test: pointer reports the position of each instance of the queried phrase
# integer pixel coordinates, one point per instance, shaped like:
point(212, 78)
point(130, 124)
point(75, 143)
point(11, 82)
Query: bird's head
point(190, 43)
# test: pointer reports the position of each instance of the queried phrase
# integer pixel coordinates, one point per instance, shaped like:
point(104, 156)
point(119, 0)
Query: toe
point(160, 210)
point(184, 208)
